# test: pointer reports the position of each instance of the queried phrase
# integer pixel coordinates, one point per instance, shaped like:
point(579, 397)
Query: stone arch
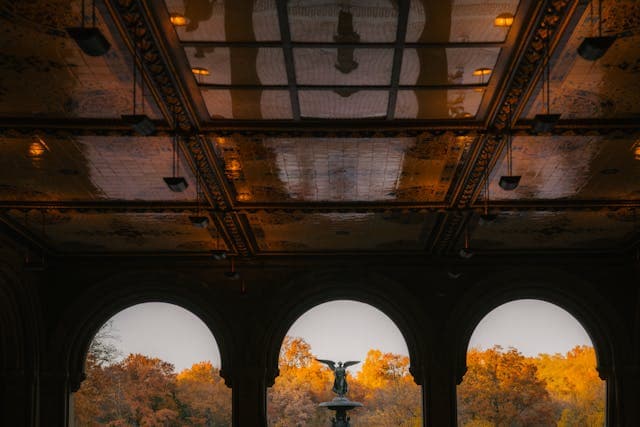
point(102, 301)
point(377, 291)
point(599, 320)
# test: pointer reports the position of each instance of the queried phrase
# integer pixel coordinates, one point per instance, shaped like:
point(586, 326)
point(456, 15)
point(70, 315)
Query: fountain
point(340, 404)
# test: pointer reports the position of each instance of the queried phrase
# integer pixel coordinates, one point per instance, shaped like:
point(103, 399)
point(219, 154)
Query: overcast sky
point(342, 330)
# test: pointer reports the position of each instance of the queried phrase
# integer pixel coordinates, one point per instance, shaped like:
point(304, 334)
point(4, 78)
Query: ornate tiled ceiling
point(319, 127)
point(607, 88)
point(45, 74)
point(337, 60)
point(341, 169)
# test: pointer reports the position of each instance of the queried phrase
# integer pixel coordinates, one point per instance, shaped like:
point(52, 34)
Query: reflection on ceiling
point(533, 230)
point(583, 167)
point(327, 75)
point(126, 232)
point(44, 73)
point(88, 168)
point(606, 88)
point(280, 232)
point(341, 169)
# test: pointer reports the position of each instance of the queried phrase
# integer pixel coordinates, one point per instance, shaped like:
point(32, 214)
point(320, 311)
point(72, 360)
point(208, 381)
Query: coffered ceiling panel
point(229, 65)
point(227, 20)
point(317, 21)
point(437, 21)
point(248, 104)
point(435, 104)
point(343, 104)
point(130, 232)
point(532, 230)
point(430, 66)
point(606, 88)
point(44, 73)
point(282, 232)
point(88, 168)
point(341, 169)
point(577, 167)
point(343, 66)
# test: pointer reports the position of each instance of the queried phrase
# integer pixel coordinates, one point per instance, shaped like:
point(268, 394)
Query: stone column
point(53, 390)
point(627, 409)
point(17, 399)
point(249, 395)
point(440, 392)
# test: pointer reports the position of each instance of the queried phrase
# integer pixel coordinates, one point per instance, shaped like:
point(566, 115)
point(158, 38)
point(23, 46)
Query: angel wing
point(330, 363)
point(350, 363)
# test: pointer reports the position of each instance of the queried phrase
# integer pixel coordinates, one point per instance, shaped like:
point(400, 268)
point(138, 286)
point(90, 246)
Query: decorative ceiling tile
point(45, 73)
point(343, 66)
point(321, 104)
point(330, 21)
point(431, 66)
point(434, 21)
point(341, 169)
point(238, 65)
point(127, 232)
point(88, 168)
point(576, 167)
point(533, 230)
point(434, 104)
point(282, 232)
point(227, 20)
point(248, 104)
point(606, 88)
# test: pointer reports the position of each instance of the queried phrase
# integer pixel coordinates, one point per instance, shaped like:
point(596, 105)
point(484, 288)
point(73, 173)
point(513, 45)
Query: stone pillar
point(627, 397)
point(53, 399)
point(249, 395)
point(17, 399)
point(440, 392)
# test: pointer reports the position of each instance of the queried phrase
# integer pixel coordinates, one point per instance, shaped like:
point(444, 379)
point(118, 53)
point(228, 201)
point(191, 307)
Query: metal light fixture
point(486, 217)
point(232, 274)
point(546, 122)
point(465, 252)
point(593, 48)
point(89, 39)
point(140, 123)
point(176, 183)
point(510, 181)
point(198, 220)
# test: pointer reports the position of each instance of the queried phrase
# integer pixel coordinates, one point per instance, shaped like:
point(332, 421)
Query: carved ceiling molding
point(135, 19)
point(530, 61)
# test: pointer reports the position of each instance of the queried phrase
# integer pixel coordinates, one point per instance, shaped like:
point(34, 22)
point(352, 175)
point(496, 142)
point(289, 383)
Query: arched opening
point(153, 364)
point(342, 331)
point(530, 363)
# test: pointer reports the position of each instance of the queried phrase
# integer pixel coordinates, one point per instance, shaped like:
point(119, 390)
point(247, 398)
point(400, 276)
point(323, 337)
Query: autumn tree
point(502, 388)
point(574, 383)
point(388, 391)
point(302, 384)
point(202, 396)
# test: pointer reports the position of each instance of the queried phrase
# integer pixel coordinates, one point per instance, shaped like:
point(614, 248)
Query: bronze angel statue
point(340, 386)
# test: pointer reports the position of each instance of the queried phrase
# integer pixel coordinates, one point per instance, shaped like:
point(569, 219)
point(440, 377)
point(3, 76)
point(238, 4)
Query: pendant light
point(218, 254)
point(198, 220)
point(545, 122)
point(509, 182)
point(232, 274)
point(593, 48)
point(89, 39)
point(486, 217)
point(176, 183)
point(140, 123)
point(465, 252)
